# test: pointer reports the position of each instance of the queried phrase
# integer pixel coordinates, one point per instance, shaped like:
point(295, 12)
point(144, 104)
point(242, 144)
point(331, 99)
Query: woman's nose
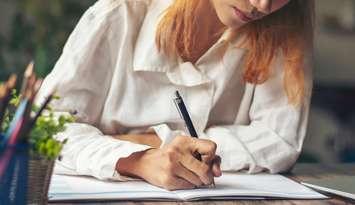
point(263, 6)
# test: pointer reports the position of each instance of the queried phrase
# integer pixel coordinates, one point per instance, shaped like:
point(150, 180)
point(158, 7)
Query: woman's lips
point(242, 15)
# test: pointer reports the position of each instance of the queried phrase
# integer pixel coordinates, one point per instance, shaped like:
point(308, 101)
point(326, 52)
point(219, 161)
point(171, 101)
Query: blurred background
point(39, 29)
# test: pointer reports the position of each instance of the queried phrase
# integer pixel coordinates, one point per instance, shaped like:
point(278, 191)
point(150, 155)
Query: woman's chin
point(233, 23)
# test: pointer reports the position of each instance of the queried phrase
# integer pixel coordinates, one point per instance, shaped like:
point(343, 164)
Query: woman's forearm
point(146, 139)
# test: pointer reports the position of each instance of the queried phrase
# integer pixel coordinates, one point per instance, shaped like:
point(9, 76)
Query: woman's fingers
point(216, 167)
point(215, 164)
point(176, 183)
point(201, 169)
point(206, 148)
point(189, 176)
point(182, 150)
point(207, 159)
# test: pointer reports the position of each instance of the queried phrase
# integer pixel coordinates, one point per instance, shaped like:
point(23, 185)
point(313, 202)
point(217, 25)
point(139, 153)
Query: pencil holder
point(39, 175)
point(13, 174)
point(24, 177)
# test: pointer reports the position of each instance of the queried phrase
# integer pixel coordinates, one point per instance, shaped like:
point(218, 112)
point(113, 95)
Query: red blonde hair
point(290, 30)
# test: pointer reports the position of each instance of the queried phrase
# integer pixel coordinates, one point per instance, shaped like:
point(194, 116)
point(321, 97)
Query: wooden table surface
point(300, 172)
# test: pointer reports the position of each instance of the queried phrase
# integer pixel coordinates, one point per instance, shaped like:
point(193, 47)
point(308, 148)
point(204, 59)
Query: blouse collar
point(147, 57)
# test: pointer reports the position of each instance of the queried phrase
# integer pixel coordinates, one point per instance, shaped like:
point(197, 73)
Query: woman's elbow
point(285, 162)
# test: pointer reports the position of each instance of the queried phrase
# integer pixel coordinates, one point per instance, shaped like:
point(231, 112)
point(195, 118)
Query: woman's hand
point(174, 166)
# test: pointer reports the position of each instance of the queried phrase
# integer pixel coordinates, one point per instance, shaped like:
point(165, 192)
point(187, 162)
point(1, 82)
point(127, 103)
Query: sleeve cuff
point(165, 134)
point(108, 170)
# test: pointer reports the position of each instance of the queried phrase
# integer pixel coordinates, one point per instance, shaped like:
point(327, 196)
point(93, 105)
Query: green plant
point(46, 127)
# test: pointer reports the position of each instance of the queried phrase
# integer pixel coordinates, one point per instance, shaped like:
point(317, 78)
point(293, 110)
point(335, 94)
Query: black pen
point(180, 105)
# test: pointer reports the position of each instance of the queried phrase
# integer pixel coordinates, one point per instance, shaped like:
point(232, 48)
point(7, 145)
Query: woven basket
point(39, 176)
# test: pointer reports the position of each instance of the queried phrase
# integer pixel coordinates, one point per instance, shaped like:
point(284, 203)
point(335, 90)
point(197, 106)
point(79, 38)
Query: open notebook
point(229, 186)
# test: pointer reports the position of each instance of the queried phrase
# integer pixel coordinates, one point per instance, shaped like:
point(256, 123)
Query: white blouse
point(113, 76)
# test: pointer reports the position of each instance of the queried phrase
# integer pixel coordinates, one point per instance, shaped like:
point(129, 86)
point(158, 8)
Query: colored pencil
point(16, 133)
point(20, 125)
point(26, 77)
point(24, 128)
point(2, 95)
point(9, 86)
point(14, 123)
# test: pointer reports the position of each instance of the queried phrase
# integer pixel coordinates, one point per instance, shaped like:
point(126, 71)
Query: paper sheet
point(230, 185)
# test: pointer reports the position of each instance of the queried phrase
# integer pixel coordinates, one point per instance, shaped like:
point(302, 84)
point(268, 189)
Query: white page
point(260, 185)
point(230, 185)
point(74, 187)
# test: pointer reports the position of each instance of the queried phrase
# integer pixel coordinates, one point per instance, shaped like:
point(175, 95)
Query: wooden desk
point(300, 172)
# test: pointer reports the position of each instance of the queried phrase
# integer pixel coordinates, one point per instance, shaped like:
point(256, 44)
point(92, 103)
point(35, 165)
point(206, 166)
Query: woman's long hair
point(290, 30)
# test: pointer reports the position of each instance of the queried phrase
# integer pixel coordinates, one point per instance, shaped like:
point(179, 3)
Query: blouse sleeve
point(82, 78)
point(273, 139)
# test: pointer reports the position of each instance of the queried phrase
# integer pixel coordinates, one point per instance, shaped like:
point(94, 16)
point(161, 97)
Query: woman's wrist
point(131, 166)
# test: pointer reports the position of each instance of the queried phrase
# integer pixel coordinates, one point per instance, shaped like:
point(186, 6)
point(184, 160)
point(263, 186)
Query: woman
point(242, 67)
